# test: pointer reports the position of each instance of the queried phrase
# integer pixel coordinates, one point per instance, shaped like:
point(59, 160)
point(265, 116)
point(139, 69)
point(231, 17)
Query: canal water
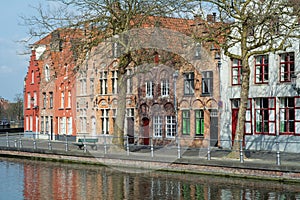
point(23, 179)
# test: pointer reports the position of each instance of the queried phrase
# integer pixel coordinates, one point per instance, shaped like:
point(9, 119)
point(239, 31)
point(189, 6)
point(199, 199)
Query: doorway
point(145, 130)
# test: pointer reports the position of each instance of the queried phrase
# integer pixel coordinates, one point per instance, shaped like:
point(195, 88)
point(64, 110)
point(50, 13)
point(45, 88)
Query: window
point(27, 123)
point(63, 125)
point(34, 99)
point(115, 49)
point(44, 100)
point(69, 119)
point(66, 71)
point(287, 67)
point(92, 86)
point(32, 77)
point(199, 122)
point(265, 116)
point(51, 99)
point(165, 88)
point(114, 116)
point(261, 69)
point(62, 100)
point(47, 125)
point(189, 83)
point(31, 123)
point(235, 103)
point(47, 73)
point(42, 125)
point(185, 122)
point(103, 83)
point(207, 83)
point(149, 88)
point(287, 115)
point(105, 121)
point(157, 126)
point(114, 80)
point(28, 100)
point(129, 81)
point(236, 72)
point(198, 51)
point(170, 126)
point(69, 99)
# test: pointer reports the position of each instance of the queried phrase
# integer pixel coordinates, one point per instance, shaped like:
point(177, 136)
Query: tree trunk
point(118, 139)
point(240, 130)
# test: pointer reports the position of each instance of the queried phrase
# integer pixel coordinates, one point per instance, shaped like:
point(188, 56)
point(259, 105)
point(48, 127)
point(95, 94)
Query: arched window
point(32, 76)
point(47, 73)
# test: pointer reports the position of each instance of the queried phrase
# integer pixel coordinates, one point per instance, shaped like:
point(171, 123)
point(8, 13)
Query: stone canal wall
point(252, 168)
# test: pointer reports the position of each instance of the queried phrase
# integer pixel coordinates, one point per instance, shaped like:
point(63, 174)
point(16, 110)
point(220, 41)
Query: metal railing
point(176, 148)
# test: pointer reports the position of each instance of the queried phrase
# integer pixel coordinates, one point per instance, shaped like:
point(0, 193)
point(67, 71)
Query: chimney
point(211, 18)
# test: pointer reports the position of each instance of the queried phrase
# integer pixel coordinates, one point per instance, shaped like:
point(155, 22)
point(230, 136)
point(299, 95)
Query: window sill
point(199, 136)
point(60, 108)
point(206, 94)
point(68, 108)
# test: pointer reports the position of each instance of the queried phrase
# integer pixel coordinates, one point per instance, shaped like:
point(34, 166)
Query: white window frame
point(165, 88)
point(157, 126)
point(62, 99)
point(170, 126)
point(149, 89)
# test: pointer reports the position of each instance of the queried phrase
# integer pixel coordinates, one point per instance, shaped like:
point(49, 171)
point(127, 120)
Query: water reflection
point(41, 180)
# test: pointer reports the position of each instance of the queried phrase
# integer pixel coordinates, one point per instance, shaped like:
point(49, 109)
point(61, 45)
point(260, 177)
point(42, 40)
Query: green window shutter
point(184, 127)
point(202, 126)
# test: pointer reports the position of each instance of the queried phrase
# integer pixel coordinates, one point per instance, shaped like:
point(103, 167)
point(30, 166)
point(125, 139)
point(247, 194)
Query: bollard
point(49, 145)
point(208, 151)
point(151, 145)
point(178, 148)
point(34, 144)
point(277, 154)
point(66, 145)
point(7, 140)
point(84, 145)
point(127, 147)
point(105, 147)
point(241, 152)
point(20, 141)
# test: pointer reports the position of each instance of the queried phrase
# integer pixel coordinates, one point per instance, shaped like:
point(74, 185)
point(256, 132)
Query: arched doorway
point(145, 130)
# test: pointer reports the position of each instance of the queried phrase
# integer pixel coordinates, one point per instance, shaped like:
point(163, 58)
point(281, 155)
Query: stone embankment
point(260, 165)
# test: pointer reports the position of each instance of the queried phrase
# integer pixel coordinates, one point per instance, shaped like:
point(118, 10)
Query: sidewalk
point(257, 164)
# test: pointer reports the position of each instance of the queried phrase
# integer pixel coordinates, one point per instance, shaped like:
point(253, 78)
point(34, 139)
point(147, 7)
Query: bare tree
point(253, 27)
point(103, 19)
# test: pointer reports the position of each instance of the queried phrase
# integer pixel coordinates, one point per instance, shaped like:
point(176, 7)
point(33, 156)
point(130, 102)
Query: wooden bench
point(86, 141)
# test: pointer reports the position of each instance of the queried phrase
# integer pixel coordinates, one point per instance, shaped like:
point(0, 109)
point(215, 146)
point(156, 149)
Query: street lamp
point(175, 76)
point(34, 107)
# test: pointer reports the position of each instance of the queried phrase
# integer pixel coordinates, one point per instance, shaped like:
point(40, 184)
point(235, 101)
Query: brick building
point(174, 97)
point(51, 91)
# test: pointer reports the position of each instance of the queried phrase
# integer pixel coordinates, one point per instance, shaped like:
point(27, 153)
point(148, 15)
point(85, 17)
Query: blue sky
point(13, 67)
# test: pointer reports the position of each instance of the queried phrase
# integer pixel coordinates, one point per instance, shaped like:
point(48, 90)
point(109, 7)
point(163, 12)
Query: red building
point(31, 94)
point(49, 87)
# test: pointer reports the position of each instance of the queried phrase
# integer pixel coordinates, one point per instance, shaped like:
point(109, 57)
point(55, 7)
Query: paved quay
point(257, 164)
